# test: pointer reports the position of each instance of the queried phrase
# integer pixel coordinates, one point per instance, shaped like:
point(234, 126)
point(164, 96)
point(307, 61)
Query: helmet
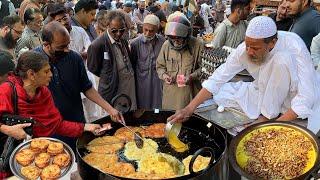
point(178, 25)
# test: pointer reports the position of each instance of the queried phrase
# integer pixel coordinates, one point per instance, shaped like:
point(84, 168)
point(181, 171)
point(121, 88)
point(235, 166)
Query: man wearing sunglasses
point(10, 32)
point(178, 63)
point(108, 58)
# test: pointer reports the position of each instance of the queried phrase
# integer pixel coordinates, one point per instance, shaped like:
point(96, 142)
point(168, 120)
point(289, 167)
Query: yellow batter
point(176, 144)
point(152, 164)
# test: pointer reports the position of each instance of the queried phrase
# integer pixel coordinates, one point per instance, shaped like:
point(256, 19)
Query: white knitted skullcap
point(151, 19)
point(261, 27)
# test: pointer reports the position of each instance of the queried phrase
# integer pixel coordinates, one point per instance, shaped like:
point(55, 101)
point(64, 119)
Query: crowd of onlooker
point(69, 59)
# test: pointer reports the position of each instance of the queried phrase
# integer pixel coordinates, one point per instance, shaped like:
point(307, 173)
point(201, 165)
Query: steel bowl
point(236, 140)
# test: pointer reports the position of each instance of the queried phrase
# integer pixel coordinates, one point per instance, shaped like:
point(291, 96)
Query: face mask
point(9, 41)
point(59, 54)
point(177, 47)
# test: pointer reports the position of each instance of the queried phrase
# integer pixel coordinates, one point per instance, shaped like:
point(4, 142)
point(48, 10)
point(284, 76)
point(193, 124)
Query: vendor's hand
point(116, 116)
point(181, 115)
point(15, 131)
point(167, 79)
point(94, 128)
point(260, 119)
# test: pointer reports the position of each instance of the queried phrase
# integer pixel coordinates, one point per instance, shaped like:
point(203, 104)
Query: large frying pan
point(313, 139)
point(197, 132)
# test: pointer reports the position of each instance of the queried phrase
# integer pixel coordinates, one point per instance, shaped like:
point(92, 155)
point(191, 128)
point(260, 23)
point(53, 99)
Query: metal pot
point(236, 140)
point(201, 135)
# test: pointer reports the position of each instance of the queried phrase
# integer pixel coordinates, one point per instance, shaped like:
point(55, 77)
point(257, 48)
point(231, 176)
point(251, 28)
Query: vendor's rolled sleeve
point(301, 106)
point(226, 71)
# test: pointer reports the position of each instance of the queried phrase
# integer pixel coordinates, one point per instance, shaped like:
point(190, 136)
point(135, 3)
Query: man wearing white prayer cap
point(284, 87)
point(145, 50)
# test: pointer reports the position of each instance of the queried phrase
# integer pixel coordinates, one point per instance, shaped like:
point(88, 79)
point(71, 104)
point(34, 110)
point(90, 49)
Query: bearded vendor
point(285, 85)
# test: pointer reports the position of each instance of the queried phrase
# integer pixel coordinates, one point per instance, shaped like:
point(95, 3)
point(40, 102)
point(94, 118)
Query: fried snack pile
point(281, 153)
point(104, 154)
point(152, 164)
point(132, 152)
point(43, 158)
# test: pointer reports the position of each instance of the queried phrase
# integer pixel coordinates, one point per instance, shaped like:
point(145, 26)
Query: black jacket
point(102, 63)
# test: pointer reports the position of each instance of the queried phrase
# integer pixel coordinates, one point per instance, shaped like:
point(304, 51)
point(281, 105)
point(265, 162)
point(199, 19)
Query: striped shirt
point(29, 39)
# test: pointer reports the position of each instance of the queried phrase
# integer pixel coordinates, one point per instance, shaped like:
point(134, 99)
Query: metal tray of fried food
point(16, 167)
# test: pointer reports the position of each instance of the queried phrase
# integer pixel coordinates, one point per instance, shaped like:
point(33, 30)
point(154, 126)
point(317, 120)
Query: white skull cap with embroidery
point(261, 27)
point(151, 19)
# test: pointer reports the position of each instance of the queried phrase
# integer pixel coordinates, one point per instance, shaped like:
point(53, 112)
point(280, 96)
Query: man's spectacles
point(39, 23)
point(63, 19)
point(114, 31)
point(16, 31)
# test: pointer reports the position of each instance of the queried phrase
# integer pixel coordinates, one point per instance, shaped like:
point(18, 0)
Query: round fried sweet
point(39, 145)
point(25, 157)
point(156, 130)
point(42, 160)
point(30, 172)
point(126, 135)
point(55, 148)
point(62, 160)
point(52, 171)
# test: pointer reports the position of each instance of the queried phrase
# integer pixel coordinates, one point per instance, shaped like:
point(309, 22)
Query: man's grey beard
point(149, 38)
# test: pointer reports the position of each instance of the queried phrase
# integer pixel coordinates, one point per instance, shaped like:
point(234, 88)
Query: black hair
point(115, 14)
point(161, 16)
point(239, 4)
point(6, 62)
point(102, 7)
point(101, 19)
point(309, 2)
point(29, 14)
point(87, 5)
point(11, 21)
point(153, 8)
point(56, 9)
point(269, 39)
point(30, 60)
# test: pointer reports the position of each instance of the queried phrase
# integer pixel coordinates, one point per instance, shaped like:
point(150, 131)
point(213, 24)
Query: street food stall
point(208, 153)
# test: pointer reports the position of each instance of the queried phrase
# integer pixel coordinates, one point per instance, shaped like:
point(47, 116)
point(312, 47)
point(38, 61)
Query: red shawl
point(41, 108)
